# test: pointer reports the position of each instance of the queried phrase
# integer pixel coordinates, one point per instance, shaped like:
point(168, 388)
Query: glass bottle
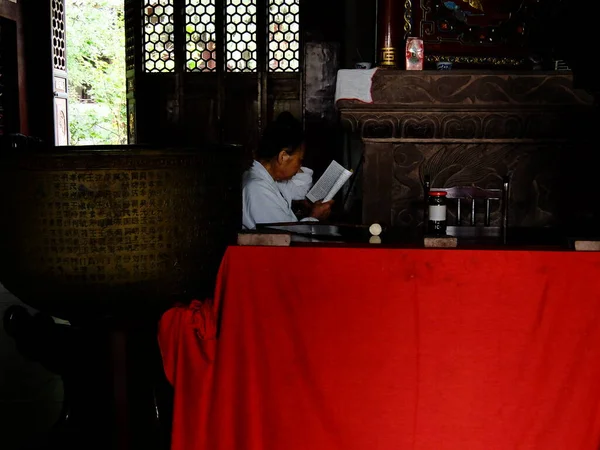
point(437, 212)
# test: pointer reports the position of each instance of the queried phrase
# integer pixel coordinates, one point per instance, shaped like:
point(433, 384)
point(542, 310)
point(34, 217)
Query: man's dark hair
point(285, 133)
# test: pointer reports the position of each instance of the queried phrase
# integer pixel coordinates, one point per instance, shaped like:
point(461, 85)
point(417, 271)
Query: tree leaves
point(96, 66)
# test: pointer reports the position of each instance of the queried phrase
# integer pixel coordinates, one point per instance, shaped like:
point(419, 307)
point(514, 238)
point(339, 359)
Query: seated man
point(277, 177)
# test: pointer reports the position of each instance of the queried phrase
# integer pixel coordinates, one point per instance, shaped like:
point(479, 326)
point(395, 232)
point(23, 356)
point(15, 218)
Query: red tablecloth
point(356, 349)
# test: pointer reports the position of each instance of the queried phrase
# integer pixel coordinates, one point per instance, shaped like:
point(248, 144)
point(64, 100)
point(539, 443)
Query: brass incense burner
point(115, 230)
point(107, 238)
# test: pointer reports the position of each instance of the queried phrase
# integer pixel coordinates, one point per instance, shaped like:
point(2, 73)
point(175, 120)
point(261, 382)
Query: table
point(357, 235)
point(389, 349)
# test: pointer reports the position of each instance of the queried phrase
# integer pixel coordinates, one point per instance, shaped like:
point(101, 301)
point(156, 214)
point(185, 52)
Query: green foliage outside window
point(96, 72)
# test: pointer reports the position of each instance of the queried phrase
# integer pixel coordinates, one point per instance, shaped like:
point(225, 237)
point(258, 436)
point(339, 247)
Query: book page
point(338, 185)
point(327, 182)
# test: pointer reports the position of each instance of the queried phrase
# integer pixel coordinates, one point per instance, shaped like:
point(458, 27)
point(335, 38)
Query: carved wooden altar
point(474, 128)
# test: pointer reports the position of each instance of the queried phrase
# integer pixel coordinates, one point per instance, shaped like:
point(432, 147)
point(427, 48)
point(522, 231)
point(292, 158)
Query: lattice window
point(240, 18)
point(58, 35)
point(284, 35)
point(159, 47)
point(241, 42)
point(200, 35)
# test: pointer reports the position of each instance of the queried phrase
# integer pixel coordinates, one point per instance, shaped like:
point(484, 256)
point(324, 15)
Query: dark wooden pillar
point(133, 63)
point(13, 94)
point(44, 30)
point(388, 50)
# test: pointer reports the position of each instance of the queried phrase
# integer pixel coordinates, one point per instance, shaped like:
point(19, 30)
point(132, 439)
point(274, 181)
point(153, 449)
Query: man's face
point(289, 165)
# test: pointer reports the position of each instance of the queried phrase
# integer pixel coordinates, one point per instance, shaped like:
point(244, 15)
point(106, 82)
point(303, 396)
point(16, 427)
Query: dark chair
point(467, 204)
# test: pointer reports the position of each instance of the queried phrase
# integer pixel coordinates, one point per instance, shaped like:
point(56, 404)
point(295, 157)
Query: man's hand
point(302, 208)
point(320, 210)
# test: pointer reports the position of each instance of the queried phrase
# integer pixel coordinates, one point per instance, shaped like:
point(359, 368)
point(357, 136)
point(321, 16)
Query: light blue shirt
point(265, 200)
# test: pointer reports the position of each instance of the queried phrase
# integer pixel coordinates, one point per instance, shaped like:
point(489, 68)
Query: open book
point(329, 184)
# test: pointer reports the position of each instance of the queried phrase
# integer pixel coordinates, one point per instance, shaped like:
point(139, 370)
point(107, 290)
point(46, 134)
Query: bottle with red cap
point(437, 212)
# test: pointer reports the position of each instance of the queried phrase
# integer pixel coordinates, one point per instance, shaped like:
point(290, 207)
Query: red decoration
point(414, 54)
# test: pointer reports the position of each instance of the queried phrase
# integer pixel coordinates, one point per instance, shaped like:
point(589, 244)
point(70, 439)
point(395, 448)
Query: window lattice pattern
point(58, 35)
point(200, 35)
point(284, 35)
point(241, 35)
point(159, 55)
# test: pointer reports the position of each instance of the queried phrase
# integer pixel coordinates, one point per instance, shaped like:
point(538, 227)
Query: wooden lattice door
point(59, 73)
point(44, 25)
point(211, 70)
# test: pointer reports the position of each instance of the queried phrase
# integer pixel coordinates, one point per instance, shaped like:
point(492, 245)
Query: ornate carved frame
point(505, 45)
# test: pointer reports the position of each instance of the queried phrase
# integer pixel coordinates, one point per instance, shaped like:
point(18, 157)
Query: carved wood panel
point(471, 125)
point(533, 169)
point(61, 121)
point(474, 129)
point(547, 177)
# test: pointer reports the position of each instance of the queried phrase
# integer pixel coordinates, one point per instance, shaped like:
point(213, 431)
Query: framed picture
point(483, 32)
